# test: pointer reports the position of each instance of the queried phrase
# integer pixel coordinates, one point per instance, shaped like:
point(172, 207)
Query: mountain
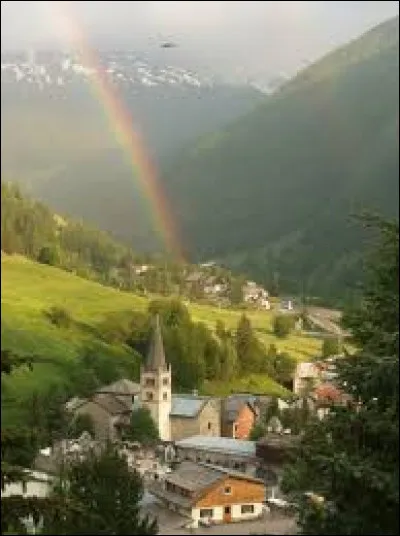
point(272, 193)
point(59, 139)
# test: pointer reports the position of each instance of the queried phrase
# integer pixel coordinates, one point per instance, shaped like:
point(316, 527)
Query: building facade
point(235, 454)
point(155, 384)
point(205, 493)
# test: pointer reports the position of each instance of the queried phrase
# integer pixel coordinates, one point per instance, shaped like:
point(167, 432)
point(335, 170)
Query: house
point(237, 454)
point(108, 413)
point(213, 286)
point(274, 425)
point(305, 377)
point(238, 415)
point(206, 494)
point(109, 408)
point(253, 293)
point(124, 390)
point(193, 415)
point(34, 484)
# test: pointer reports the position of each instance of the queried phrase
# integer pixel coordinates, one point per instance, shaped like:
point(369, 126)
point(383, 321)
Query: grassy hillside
point(29, 289)
point(272, 194)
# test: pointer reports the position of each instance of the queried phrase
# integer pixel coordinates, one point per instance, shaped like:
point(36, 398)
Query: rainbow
point(121, 125)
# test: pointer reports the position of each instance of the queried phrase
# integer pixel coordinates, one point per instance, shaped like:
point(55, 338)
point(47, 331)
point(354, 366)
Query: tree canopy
point(110, 495)
point(350, 460)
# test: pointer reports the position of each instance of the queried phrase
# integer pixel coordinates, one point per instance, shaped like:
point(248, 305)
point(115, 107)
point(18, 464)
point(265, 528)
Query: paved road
point(264, 526)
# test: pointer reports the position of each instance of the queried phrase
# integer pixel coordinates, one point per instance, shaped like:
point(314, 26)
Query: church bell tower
point(155, 383)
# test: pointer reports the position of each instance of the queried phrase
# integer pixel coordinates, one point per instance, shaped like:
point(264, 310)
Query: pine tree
point(16, 454)
point(109, 493)
point(142, 428)
point(350, 460)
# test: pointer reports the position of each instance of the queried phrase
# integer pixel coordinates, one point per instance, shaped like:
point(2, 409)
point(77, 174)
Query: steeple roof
point(156, 356)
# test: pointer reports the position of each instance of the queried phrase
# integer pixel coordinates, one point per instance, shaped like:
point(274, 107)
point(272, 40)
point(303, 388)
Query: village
point(207, 471)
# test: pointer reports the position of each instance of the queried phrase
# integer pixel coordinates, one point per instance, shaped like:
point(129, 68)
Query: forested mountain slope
point(273, 193)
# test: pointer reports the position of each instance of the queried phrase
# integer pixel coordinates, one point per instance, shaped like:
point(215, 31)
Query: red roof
point(327, 392)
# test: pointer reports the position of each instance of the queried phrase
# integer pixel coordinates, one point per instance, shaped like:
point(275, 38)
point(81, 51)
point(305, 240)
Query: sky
point(251, 36)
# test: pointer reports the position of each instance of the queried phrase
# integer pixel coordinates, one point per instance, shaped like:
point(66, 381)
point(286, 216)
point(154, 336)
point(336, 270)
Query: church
point(176, 416)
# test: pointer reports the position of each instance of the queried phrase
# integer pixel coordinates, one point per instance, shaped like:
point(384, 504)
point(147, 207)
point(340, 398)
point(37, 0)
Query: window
point(247, 509)
point(227, 490)
point(150, 382)
point(209, 426)
point(149, 396)
point(165, 381)
point(206, 512)
point(165, 396)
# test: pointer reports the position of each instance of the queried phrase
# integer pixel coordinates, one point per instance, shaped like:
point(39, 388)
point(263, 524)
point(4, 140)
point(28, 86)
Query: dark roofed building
point(238, 415)
point(125, 391)
point(195, 415)
point(204, 492)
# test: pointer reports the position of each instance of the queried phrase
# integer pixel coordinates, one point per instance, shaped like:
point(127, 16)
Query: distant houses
point(256, 295)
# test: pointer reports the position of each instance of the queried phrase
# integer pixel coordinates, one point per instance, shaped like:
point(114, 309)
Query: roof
point(73, 403)
point(196, 478)
point(123, 387)
point(227, 445)
point(110, 403)
point(233, 405)
point(187, 405)
point(327, 392)
point(156, 356)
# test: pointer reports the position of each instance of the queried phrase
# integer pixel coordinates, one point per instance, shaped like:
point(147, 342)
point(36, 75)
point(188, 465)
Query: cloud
point(280, 35)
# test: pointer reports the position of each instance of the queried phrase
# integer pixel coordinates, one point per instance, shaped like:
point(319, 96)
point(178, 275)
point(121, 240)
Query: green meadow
point(29, 289)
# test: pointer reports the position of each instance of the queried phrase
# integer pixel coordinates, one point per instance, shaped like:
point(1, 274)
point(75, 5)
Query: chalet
point(238, 415)
point(206, 494)
point(237, 454)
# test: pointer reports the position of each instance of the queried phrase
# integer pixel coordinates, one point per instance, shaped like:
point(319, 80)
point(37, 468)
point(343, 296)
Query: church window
point(150, 382)
point(209, 426)
point(165, 381)
point(149, 396)
point(165, 396)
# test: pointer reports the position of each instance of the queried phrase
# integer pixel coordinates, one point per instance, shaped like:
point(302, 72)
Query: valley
point(199, 268)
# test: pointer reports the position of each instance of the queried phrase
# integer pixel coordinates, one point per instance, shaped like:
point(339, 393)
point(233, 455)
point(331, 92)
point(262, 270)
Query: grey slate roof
point(193, 476)
point(110, 403)
point(187, 405)
point(238, 447)
point(156, 356)
point(122, 387)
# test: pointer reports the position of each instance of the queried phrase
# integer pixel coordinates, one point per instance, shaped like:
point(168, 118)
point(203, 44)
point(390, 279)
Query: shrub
point(59, 316)
point(283, 325)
